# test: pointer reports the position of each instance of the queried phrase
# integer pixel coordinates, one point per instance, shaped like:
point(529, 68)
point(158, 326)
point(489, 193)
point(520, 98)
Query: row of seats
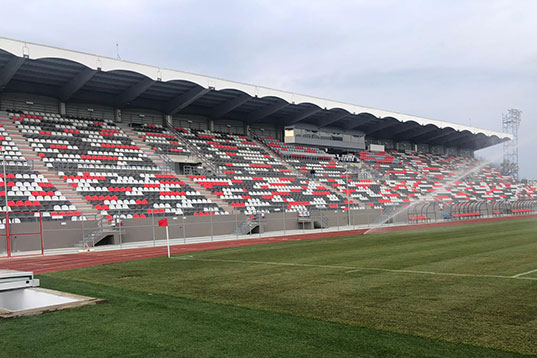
point(331, 172)
point(442, 178)
point(252, 180)
point(257, 194)
point(99, 160)
point(403, 177)
point(291, 149)
point(25, 193)
point(10, 152)
point(140, 193)
point(160, 139)
point(234, 154)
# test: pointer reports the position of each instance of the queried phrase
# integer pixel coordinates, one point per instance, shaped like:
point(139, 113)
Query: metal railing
point(76, 235)
point(103, 229)
point(251, 223)
point(28, 164)
point(245, 227)
point(196, 152)
point(365, 172)
point(166, 169)
point(165, 159)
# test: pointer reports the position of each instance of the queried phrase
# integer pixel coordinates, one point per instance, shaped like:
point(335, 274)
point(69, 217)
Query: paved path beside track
point(44, 264)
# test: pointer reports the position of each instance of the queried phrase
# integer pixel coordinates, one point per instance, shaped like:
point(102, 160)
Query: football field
point(456, 291)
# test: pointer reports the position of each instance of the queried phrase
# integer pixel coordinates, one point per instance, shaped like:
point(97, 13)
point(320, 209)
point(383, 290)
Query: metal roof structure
point(76, 76)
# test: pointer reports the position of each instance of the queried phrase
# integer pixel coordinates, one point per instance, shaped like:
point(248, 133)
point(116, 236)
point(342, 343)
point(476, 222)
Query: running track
point(44, 264)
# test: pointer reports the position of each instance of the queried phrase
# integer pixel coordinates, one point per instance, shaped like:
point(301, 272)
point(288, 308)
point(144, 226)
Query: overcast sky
point(459, 61)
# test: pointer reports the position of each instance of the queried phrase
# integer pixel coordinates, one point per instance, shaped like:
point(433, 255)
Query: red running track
point(44, 264)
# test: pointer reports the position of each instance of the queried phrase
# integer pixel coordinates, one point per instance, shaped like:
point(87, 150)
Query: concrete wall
point(68, 234)
point(55, 234)
point(3, 246)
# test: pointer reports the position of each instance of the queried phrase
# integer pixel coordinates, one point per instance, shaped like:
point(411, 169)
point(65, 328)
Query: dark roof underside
point(71, 81)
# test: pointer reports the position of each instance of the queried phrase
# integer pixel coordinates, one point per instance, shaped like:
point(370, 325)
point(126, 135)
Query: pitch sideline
point(351, 269)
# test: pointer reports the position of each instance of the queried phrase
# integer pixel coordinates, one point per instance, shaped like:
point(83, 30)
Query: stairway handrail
point(194, 150)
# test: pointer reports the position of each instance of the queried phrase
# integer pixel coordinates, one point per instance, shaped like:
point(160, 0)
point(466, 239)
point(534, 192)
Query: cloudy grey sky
point(464, 61)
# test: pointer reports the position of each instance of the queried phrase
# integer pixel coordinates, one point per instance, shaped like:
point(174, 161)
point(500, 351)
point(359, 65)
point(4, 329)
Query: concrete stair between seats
point(74, 197)
point(215, 199)
point(158, 161)
point(134, 136)
point(376, 174)
point(300, 174)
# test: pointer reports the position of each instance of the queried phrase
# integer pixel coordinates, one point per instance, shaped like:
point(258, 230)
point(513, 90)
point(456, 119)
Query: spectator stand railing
point(196, 152)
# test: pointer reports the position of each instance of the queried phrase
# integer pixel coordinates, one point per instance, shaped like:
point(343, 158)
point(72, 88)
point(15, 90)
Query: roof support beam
point(71, 87)
point(334, 117)
point(380, 127)
point(303, 115)
point(443, 134)
point(224, 108)
point(360, 122)
point(449, 137)
point(184, 100)
point(133, 92)
point(414, 133)
point(460, 141)
point(267, 111)
point(403, 129)
point(9, 70)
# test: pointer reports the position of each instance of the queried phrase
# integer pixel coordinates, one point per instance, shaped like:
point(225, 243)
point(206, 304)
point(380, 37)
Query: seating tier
point(160, 140)
point(100, 161)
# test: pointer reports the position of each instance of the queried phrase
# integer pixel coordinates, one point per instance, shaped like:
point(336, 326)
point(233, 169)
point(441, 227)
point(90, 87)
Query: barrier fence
point(21, 240)
point(35, 236)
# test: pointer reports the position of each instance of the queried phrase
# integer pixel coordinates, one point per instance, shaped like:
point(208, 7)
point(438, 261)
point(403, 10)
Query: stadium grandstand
point(97, 150)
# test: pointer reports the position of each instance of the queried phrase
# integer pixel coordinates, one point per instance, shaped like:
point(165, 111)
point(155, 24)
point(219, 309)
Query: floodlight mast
point(510, 123)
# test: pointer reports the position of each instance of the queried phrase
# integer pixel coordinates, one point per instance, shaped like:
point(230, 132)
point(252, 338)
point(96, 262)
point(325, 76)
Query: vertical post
point(212, 229)
point(184, 229)
point(153, 226)
point(8, 236)
point(99, 227)
point(259, 224)
point(168, 240)
point(120, 240)
point(63, 111)
point(117, 114)
point(354, 220)
point(83, 235)
point(236, 225)
point(321, 219)
point(284, 223)
point(168, 121)
point(258, 218)
point(41, 232)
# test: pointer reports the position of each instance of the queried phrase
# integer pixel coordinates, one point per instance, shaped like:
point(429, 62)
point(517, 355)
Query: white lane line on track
point(524, 273)
point(351, 269)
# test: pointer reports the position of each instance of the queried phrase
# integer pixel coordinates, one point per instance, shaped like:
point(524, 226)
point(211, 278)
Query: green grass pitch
point(461, 291)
